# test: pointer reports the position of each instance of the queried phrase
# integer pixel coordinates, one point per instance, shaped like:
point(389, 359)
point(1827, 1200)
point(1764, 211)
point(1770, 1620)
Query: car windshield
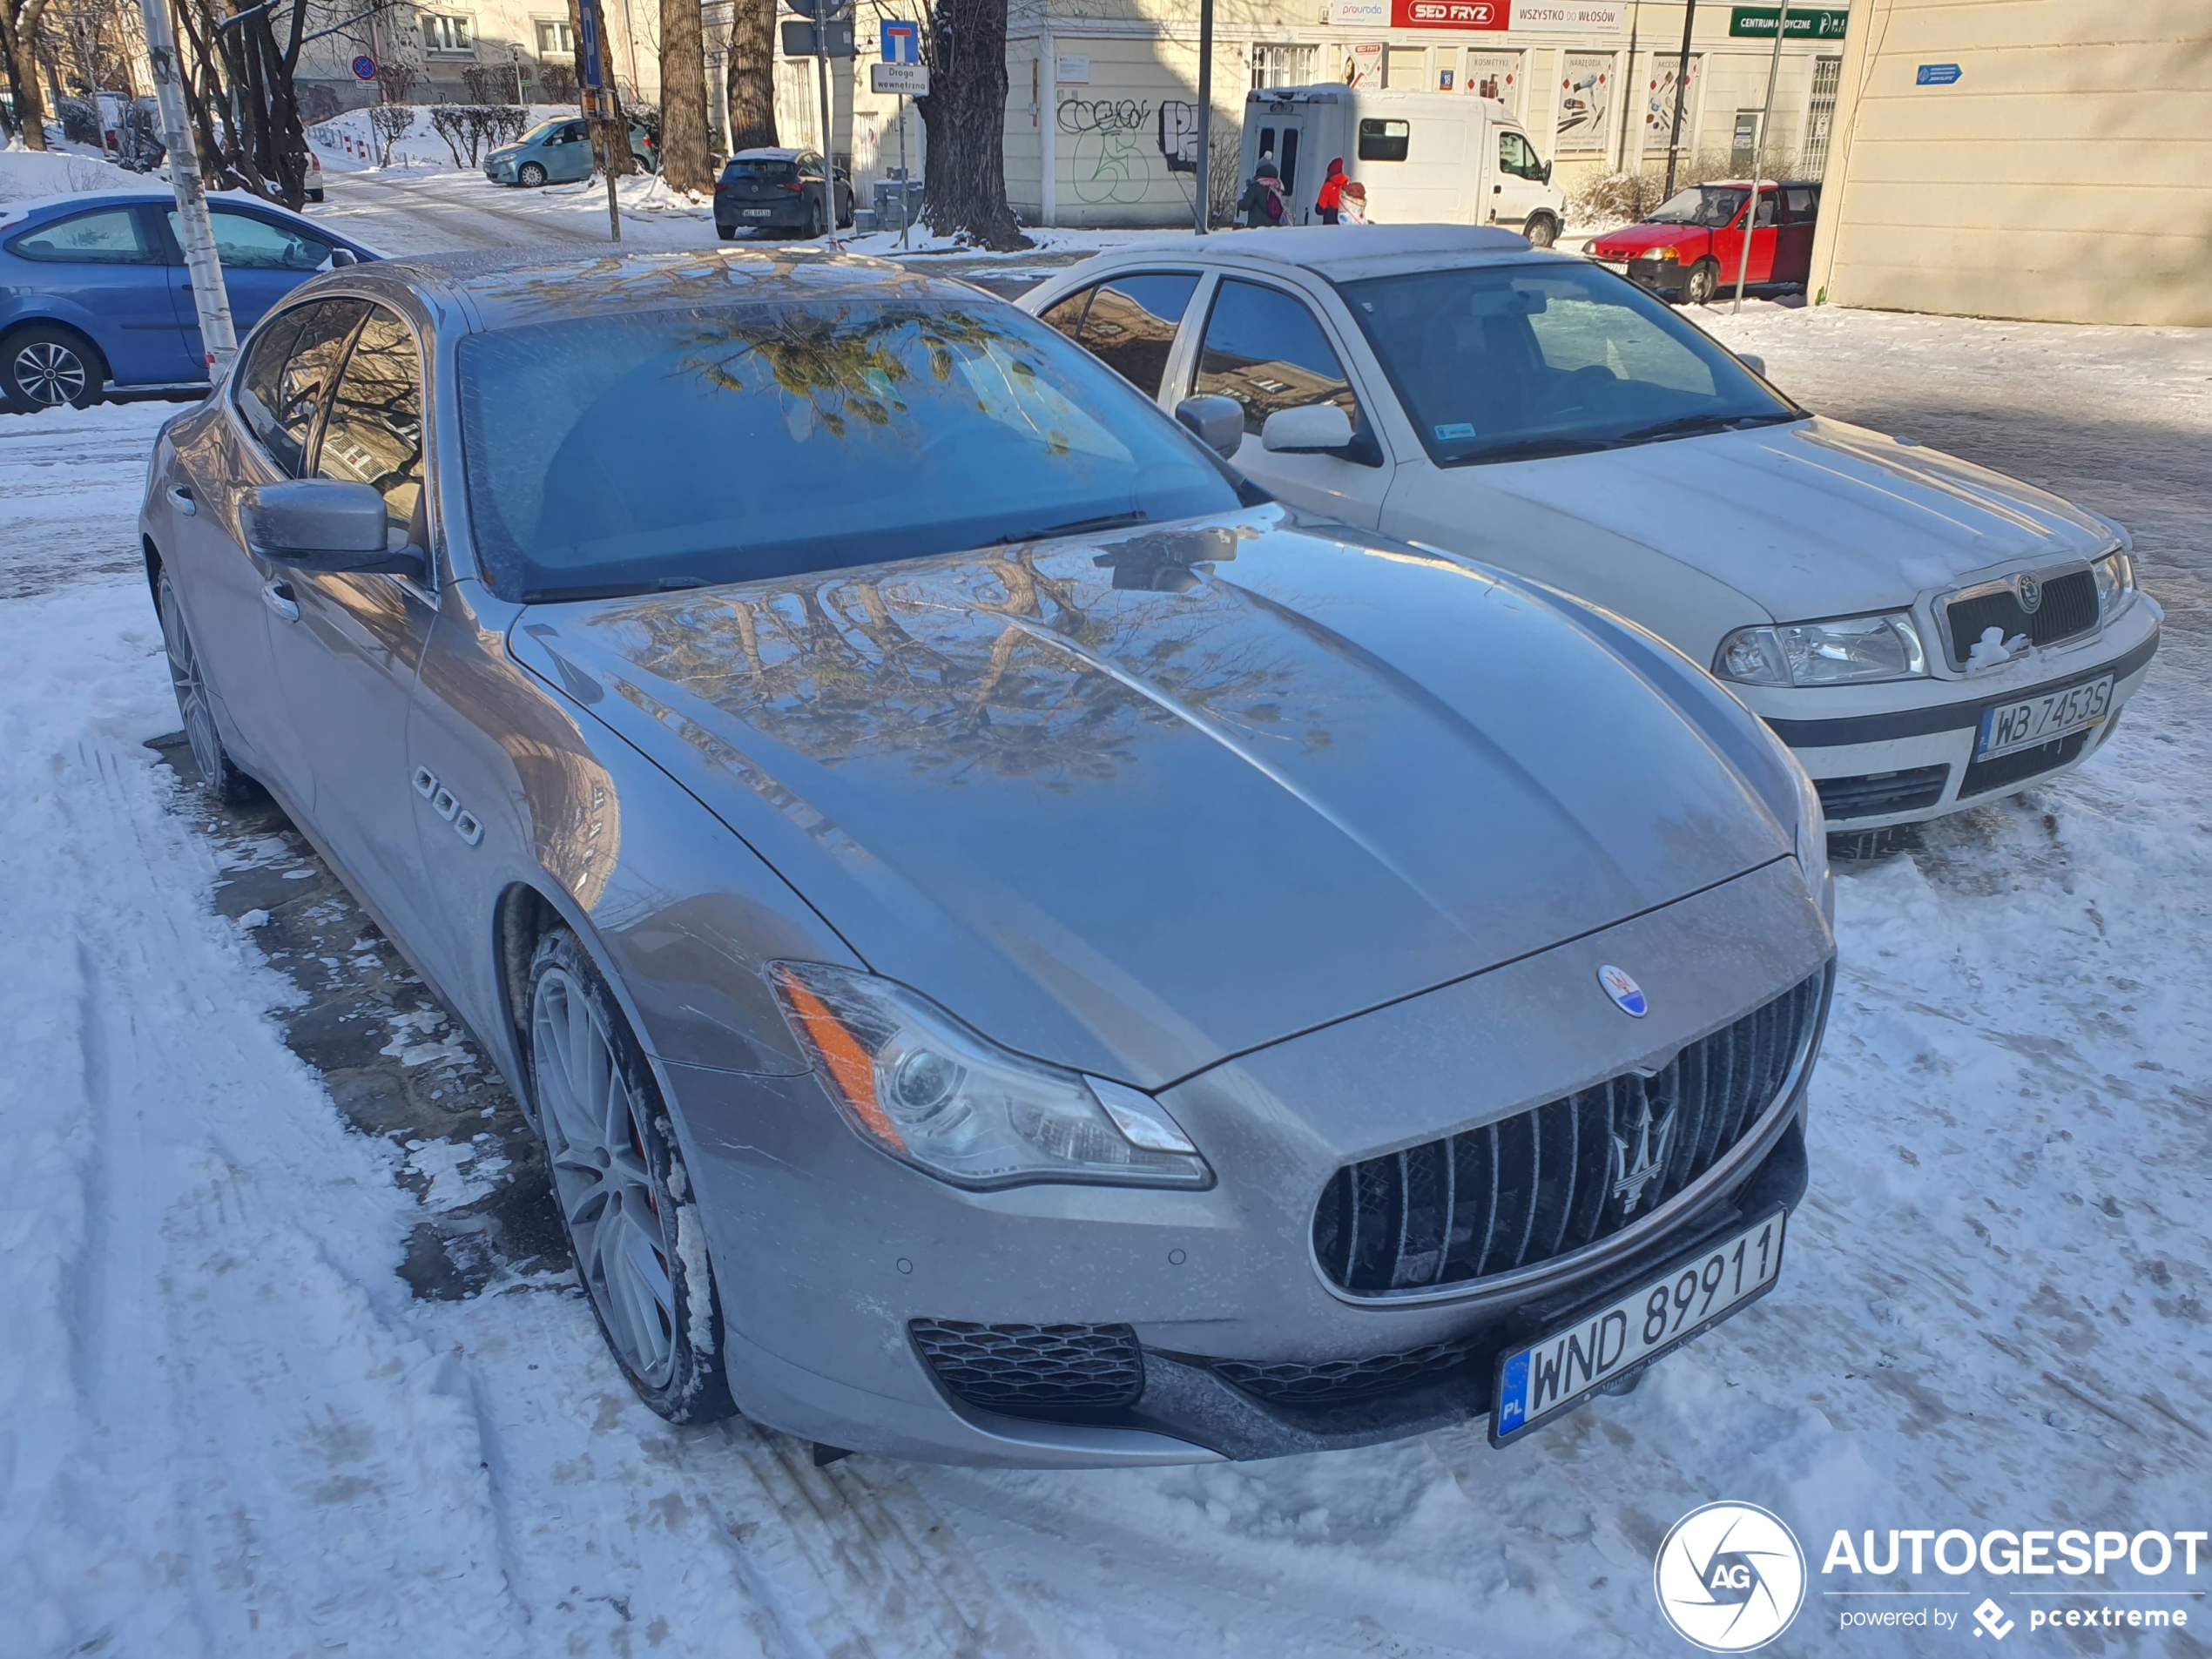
point(682, 448)
point(1508, 362)
point(1710, 205)
point(768, 172)
point(543, 130)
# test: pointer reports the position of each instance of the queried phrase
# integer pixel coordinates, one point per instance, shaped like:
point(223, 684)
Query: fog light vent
point(1033, 1370)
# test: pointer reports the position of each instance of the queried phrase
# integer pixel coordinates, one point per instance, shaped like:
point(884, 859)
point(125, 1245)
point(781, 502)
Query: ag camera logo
point(1730, 1577)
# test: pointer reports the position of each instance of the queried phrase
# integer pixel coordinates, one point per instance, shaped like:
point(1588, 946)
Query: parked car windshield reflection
point(670, 450)
point(1704, 205)
point(1509, 363)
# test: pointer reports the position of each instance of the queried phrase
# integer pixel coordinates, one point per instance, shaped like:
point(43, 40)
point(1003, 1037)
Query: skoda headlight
point(2115, 574)
point(1849, 650)
point(924, 1088)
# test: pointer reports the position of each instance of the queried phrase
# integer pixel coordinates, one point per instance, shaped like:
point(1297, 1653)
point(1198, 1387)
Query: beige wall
point(2068, 174)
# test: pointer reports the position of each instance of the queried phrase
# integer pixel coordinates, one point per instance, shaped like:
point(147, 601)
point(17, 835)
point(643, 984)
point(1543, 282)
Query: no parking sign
point(364, 68)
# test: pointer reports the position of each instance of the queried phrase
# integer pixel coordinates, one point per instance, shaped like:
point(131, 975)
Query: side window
point(1516, 157)
point(1802, 202)
point(1768, 202)
point(1265, 348)
point(244, 242)
point(307, 375)
point(1068, 315)
point(111, 236)
point(1383, 140)
point(260, 384)
point(375, 433)
point(1132, 324)
point(572, 133)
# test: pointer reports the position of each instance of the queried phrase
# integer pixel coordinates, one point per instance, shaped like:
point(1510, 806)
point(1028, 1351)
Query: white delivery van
point(1425, 158)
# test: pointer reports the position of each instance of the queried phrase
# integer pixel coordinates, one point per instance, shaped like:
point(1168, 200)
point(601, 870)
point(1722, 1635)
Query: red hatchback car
point(1689, 249)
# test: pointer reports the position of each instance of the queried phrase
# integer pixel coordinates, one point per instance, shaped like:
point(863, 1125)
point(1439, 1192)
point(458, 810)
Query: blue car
point(94, 295)
point(558, 152)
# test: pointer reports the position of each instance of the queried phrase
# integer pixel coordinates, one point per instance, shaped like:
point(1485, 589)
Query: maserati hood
point(1136, 804)
point(1816, 519)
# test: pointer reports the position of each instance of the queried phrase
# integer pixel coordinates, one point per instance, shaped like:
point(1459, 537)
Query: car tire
point(43, 366)
point(220, 775)
point(1700, 283)
point(812, 226)
point(530, 175)
point(1541, 231)
point(627, 1203)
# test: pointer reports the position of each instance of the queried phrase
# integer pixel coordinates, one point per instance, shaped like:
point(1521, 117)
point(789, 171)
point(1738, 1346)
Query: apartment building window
point(1820, 116)
point(1283, 65)
point(446, 35)
point(554, 37)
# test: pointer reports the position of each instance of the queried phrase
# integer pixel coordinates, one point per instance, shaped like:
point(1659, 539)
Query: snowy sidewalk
point(227, 1428)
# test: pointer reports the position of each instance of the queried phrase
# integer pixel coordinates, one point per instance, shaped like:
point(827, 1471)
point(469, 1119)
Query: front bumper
point(499, 173)
point(825, 1251)
point(1902, 752)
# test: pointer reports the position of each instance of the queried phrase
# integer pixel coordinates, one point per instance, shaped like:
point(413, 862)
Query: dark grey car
point(1020, 949)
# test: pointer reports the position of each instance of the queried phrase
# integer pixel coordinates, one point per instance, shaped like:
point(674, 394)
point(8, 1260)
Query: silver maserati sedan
point(1021, 948)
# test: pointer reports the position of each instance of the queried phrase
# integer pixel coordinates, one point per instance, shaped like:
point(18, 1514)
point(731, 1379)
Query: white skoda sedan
point(1925, 633)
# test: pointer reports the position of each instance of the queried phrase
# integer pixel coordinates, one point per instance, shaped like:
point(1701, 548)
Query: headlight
point(924, 1088)
point(1847, 651)
point(1666, 255)
point(2115, 574)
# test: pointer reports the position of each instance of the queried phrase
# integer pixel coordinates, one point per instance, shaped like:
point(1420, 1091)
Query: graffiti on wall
point(1110, 163)
point(1178, 136)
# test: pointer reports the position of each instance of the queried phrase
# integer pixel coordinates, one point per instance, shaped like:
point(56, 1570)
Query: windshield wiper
point(1077, 526)
point(1684, 425)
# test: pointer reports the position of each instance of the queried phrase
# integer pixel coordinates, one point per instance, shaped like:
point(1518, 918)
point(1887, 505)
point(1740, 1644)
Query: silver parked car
point(1020, 949)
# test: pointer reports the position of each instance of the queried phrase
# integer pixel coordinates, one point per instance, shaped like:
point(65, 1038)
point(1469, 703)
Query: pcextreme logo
point(1730, 1577)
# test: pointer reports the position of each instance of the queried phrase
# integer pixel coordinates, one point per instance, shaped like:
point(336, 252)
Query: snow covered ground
point(228, 1426)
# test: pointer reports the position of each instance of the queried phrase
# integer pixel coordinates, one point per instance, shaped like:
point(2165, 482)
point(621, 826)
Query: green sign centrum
point(1806, 23)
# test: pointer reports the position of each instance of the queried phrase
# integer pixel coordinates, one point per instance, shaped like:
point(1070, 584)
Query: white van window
point(1383, 140)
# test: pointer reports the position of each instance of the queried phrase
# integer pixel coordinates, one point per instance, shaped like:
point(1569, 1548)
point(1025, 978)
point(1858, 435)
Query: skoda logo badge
point(1627, 994)
point(2031, 593)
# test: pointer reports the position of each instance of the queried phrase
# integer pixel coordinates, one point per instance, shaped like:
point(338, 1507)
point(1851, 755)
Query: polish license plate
point(1561, 1369)
point(752, 213)
point(2043, 719)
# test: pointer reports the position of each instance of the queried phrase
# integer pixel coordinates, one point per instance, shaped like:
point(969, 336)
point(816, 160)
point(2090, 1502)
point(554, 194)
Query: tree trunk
point(684, 159)
point(753, 76)
point(964, 172)
point(19, 44)
point(611, 129)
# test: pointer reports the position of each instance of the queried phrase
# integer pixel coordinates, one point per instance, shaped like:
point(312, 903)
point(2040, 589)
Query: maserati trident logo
point(1640, 1157)
point(1627, 994)
point(2031, 592)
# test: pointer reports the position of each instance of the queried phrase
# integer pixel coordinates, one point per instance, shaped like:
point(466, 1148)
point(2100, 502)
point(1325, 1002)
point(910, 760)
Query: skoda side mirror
point(1755, 364)
point(325, 527)
point(1317, 427)
point(343, 256)
point(1219, 422)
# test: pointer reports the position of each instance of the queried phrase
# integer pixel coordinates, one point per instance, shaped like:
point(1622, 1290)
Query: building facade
point(2018, 159)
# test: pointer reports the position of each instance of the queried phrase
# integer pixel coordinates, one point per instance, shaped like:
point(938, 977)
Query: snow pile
point(25, 175)
point(347, 143)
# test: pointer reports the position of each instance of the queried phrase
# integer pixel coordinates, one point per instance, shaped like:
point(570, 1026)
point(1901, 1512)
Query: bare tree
point(964, 169)
point(684, 159)
point(753, 76)
point(392, 122)
point(19, 25)
point(238, 69)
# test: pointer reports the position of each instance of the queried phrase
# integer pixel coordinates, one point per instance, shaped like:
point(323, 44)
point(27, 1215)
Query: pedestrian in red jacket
point(1332, 194)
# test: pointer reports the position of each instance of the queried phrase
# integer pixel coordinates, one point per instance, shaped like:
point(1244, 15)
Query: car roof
point(767, 153)
point(1745, 183)
point(14, 209)
point(1344, 251)
point(512, 286)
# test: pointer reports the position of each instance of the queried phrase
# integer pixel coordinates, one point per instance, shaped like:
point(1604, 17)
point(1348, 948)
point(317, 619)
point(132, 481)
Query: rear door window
point(1068, 315)
point(1266, 349)
point(1801, 202)
point(111, 236)
point(1131, 324)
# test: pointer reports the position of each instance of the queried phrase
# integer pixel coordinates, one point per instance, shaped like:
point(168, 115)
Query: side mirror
point(1547, 173)
point(324, 526)
point(340, 257)
point(1317, 427)
point(1755, 364)
point(1219, 422)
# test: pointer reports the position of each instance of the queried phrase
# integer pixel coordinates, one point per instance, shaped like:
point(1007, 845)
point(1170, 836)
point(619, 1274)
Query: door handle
point(180, 498)
point(1497, 190)
point(278, 596)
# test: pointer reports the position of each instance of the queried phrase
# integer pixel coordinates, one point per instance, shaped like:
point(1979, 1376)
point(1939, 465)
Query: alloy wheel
point(596, 1138)
point(48, 373)
point(191, 688)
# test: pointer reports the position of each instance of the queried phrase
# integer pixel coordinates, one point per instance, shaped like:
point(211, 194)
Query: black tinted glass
point(1263, 348)
point(1383, 140)
point(374, 435)
point(1132, 322)
point(766, 172)
point(260, 379)
point(681, 448)
point(317, 351)
point(1499, 361)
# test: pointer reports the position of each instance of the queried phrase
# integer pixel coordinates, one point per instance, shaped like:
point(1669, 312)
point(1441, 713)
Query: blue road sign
point(588, 17)
point(364, 69)
point(1936, 75)
point(901, 42)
